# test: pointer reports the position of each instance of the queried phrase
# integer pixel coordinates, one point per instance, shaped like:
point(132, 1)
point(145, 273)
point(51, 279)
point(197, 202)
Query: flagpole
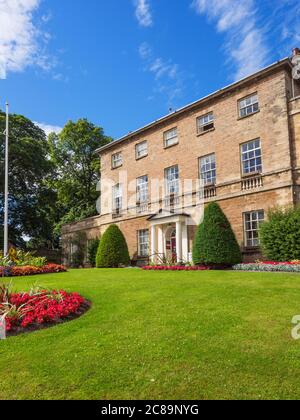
point(6, 185)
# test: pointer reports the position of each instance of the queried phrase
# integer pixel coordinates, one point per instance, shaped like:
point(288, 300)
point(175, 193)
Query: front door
point(173, 246)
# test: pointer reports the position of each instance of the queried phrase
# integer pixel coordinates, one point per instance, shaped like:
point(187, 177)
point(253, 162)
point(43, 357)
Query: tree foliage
point(215, 242)
point(280, 234)
point(113, 249)
point(51, 182)
point(30, 198)
point(77, 169)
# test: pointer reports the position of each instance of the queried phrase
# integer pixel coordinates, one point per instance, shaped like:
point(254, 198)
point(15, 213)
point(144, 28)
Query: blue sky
point(124, 63)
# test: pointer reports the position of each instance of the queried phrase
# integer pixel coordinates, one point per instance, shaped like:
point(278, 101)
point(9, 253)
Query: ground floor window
point(252, 222)
point(73, 247)
point(143, 243)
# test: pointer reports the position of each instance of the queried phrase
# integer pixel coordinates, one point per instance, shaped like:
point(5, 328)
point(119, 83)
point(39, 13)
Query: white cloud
point(167, 75)
point(49, 128)
point(145, 50)
point(19, 37)
point(245, 40)
point(161, 68)
point(288, 12)
point(143, 13)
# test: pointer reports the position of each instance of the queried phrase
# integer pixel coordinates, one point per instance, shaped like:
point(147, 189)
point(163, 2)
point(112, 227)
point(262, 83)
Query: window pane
point(205, 122)
point(251, 157)
point(117, 160)
point(249, 105)
point(208, 169)
point(252, 224)
point(142, 189)
point(171, 137)
point(143, 243)
point(172, 180)
point(117, 197)
point(141, 149)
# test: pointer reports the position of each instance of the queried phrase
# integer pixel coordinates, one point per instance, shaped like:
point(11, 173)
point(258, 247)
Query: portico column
point(185, 243)
point(160, 244)
point(179, 241)
point(153, 243)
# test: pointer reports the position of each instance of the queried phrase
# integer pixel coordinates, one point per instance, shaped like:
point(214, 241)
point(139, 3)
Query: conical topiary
point(113, 249)
point(215, 242)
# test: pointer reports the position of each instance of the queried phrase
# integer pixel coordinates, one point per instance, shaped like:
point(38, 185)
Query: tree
point(30, 197)
point(77, 169)
point(215, 242)
point(113, 249)
point(92, 251)
point(280, 234)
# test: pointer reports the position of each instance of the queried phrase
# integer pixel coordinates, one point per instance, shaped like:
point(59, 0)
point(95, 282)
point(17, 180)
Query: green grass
point(162, 335)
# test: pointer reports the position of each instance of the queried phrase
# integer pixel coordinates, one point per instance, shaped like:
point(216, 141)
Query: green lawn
point(162, 335)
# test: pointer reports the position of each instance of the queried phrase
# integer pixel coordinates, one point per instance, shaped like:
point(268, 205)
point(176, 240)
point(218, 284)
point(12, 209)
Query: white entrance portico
point(169, 236)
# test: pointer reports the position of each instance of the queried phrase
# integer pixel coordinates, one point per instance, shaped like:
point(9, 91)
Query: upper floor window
point(143, 243)
point(251, 157)
point(142, 189)
point(141, 150)
point(171, 137)
point(116, 160)
point(117, 194)
point(205, 123)
point(172, 180)
point(208, 169)
point(248, 106)
point(252, 223)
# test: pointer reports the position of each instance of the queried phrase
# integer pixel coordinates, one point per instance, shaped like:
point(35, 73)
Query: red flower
point(43, 308)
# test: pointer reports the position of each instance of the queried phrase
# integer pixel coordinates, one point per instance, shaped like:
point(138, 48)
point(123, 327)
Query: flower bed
point(16, 271)
point(39, 309)
point(175, 268)
point(270, 266)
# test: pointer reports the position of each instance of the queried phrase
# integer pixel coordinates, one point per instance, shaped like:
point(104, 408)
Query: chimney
point(296, 51)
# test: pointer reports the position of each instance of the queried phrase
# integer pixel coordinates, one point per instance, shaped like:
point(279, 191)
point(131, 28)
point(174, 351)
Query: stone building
point(239, 146)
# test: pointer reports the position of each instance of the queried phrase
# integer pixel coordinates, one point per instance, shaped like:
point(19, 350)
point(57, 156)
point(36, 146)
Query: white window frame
point(172, 184)
point(141, 150)
point(252, 222)
point(117, 198)
point(171, 137)
point(143, 243)
point(205, 123)
point(208, 169)
point(142, 189)
point(251, 157)
point(248, 105)
point(117, 160)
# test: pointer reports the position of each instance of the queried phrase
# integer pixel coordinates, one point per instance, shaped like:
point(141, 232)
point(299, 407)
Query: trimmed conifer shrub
point(215, 243)
point(113, 249)
point(280, 234)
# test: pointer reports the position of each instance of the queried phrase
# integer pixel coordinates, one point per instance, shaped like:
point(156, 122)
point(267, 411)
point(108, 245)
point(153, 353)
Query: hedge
point(113, 249)
point(215, 242)
point(280, 234)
